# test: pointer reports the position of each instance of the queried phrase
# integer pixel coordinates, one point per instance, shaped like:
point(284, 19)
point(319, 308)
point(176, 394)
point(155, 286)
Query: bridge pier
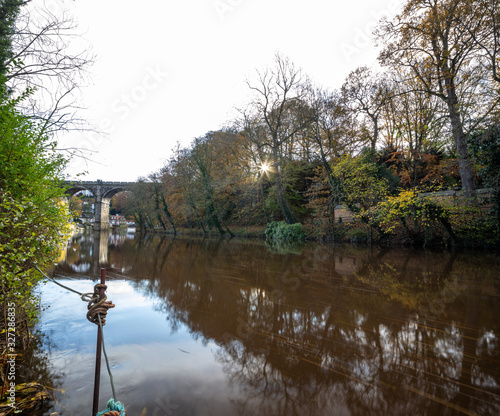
point(100, 251)
point(103, 192)
point(101, 209)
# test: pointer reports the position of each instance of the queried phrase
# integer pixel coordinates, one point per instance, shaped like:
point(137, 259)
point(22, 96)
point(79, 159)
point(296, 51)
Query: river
point(238, 327)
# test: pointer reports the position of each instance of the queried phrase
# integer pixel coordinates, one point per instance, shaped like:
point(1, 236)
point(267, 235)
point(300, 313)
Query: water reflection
point(237, 328)
point(87, 252)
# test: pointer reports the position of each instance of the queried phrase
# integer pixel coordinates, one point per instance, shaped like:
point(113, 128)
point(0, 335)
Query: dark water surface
point(231, 327)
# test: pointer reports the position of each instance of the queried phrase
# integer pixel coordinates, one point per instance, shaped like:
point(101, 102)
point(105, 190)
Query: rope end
point(113, 409)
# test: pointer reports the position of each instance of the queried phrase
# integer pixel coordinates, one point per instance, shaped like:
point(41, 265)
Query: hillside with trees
point(382, 145)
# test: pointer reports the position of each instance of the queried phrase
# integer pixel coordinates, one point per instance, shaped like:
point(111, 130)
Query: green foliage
point(485, 149)
point(9, 9)
point(33, 218)
point(294, 198)
point(360, 182)
point(282, 231)
point(413, 216)
point(432, 219)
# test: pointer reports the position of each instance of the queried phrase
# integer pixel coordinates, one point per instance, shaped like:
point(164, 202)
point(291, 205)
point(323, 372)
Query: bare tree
point(366, 95)
point(486, 36)
point(279, 103)
point(43, 60)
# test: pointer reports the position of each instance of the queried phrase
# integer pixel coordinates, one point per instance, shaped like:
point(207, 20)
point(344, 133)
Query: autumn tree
point(139, 204)
point(437, 40)
point(279, 104)
point(332, 126)
point(119, 202)
point(75, 207)
point(366, 94)
point(162, 213)
point(185, 192)
point(332, 135)
point(414, 128)
point(361, 181)
point(205, 155)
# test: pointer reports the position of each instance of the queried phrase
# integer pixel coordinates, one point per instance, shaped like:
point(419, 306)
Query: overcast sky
point(169, 71)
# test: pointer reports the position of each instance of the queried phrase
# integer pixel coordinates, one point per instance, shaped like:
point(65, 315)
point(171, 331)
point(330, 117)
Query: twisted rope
point(83, 296)
point(98, 306)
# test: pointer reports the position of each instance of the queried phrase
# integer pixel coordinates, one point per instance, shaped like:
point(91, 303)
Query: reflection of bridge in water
point(103, 192)
point(87, 253)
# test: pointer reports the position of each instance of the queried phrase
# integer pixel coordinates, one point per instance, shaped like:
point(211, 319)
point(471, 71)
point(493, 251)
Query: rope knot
point(98, 306)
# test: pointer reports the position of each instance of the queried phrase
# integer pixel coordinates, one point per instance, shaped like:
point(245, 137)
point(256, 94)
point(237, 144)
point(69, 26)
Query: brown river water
point(238, 327)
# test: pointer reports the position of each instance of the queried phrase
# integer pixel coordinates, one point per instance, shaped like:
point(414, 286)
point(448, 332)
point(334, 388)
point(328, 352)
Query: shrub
point(33, 219)
point(282, 231)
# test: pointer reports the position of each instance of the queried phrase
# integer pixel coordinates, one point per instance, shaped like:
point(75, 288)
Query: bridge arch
point(112, 192)
point(103, 192)
point(75, 189)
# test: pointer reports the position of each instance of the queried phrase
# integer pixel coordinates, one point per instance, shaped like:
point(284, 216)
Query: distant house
point(117, 220)
point(87, 218)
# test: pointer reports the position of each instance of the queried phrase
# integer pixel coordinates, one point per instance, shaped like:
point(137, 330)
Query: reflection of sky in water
point(81, 268)
point(150, 364)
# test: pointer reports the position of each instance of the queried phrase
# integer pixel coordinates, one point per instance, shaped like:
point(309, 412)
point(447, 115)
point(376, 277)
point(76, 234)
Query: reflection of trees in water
point(347, 333)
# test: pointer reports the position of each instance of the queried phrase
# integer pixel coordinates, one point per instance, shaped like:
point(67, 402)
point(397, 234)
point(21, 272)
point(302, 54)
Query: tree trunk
point(375, 133)
point(167, 213)
point(464, 162)
point(283, 203)
point(211, 206)
point(264, 203)
point(331, 200)
point(158, 212)
point(200, 222)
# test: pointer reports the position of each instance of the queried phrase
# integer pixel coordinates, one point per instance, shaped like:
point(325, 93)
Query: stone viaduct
point(102, 192)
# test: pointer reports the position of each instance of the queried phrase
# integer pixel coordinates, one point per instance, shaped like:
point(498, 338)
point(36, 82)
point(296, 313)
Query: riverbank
point(357, 233)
